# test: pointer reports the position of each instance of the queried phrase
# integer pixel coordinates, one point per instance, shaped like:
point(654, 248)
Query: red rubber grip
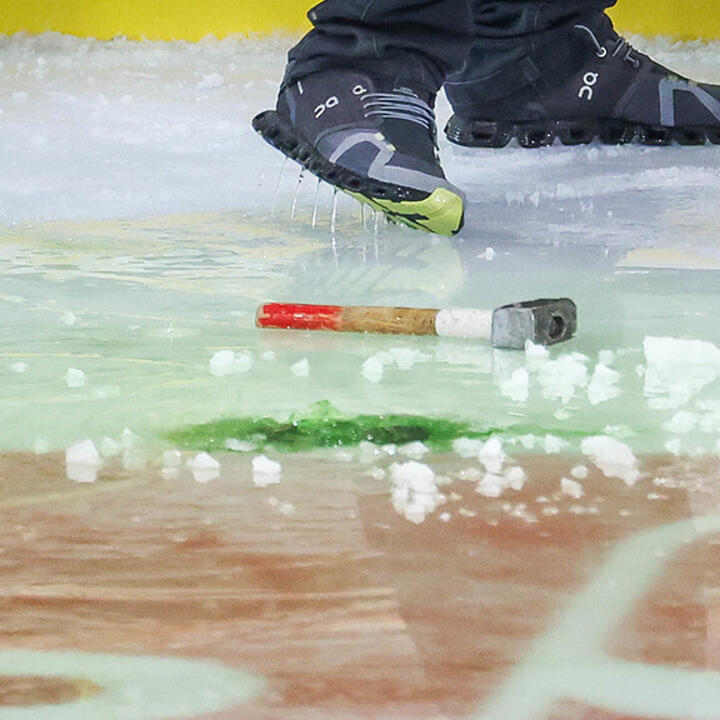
point(294, 316)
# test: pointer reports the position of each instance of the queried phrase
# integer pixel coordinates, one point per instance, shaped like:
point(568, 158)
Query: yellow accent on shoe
point(441, 212)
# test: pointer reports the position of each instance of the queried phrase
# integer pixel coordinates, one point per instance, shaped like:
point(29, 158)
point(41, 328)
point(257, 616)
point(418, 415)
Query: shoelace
point(399, 107)
point(622, 44)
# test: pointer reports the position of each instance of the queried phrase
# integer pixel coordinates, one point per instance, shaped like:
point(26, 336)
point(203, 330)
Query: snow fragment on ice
point(681, 423)
point(602, 385)
point(491, 486)
point(467, 447)
point(19, 367)
point(372, 370)
point(580, 472)
point(674, 446)
point(226, 362)
point(171, 461)
point(415, 450)
point(211, 81)
point(571, 488)
point(75, 378)
point(615, 459)
point(368, 452)
point(405, 358)
point(286, 509)
point(515, 477)
point(528, 441)
point(492, 456)
point(82, 462)
point(471, 474)
point(239, 445)
point(415, 494)
point(269, 356)
point(110, 448)
point(488, 254)
point(301, 368)
point(517, 386)
point(559, 379)
point(265, 471)
point(554, 444)
point(68, 319)
point(204, 467)
point(678, 369)
point(535, 355)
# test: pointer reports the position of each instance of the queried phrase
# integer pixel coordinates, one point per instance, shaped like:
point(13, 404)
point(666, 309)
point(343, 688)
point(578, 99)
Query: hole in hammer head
point(557, 327)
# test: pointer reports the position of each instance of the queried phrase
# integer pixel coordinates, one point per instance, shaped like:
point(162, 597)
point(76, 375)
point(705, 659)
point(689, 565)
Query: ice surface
point(142, 222)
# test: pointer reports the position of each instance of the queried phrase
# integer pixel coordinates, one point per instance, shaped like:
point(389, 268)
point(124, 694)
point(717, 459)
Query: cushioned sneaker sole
point(483, 133)
point(440, 211)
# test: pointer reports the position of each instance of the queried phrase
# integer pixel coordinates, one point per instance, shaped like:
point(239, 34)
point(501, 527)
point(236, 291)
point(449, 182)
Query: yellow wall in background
point(194, 19)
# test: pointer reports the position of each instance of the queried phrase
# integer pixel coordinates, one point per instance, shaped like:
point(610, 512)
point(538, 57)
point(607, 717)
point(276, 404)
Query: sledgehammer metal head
point(544, 322)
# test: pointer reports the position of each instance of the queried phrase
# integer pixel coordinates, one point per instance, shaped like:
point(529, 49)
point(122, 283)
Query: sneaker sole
point(438, 212)
point(482, 133)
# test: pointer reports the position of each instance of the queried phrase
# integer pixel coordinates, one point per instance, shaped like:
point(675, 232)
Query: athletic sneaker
point(374, 139)
point(615, 93)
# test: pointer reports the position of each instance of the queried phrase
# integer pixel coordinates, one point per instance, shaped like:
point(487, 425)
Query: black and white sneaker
point(616, 94)
point(372, 138)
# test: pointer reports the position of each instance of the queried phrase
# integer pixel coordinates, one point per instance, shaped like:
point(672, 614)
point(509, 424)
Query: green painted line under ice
point(133, 687)
point(322, 426)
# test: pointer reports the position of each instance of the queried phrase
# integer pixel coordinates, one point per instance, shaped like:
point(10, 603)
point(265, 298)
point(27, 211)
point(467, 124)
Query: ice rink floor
point(557, 561)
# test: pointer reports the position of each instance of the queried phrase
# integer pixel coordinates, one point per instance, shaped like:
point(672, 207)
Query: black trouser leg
point(506, 31)
point(417, 41)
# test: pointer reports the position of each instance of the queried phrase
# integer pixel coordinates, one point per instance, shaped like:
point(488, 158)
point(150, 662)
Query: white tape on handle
point(460, 323)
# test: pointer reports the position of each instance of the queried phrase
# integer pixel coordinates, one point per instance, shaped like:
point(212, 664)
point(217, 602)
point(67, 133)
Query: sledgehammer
point(544, 322)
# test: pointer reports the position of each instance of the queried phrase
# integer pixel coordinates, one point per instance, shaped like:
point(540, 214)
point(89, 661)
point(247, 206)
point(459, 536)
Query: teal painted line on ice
point(134, 687)
point(570, 662)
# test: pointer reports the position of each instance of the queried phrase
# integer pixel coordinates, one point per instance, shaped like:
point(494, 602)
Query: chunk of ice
point(240, 445)
point(204, 468)
point(68, 319)
point(467, 447)
point(75, 378)
point(110, 448)
point(555, 444)
point(559, 379)
point(615, 459)
point(677, 369)
point(416, 492)
point(373, 370)
point(602, 385)
point(82, 462)
point(19, 367)
point(492, 456)
point(515, 477)
point(415, 450)
point(265, 471)
point(517, 386)
point(491, 486)
point(571, 488)
point(580, 472)
point(226, 362)
point(405, 358)
point(681, 423)
point(301, 368)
